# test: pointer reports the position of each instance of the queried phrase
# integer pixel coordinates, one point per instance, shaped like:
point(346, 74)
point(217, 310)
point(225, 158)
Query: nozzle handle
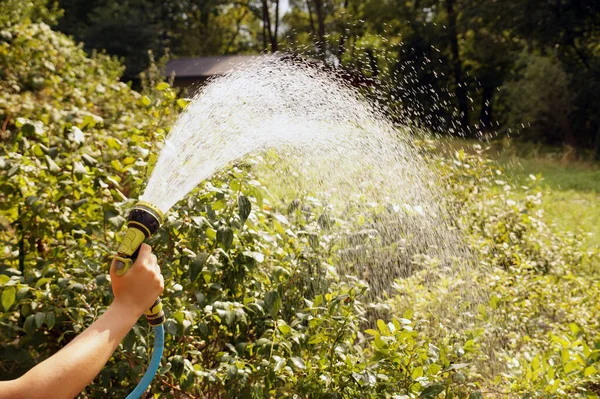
point(144, 219)
point(122, 264)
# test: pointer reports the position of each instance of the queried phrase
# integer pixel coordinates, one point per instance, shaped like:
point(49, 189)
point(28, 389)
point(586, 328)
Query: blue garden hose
point(144, 219)
point(159, 344)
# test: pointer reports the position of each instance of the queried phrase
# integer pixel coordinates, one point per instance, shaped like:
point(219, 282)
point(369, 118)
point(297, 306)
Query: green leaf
point(117, 221)
point(589, 371)
point(177, 365)
point(298, 362)
point(28, 129)
point(372, 332)
point(378, 342)
point(571, 366)
point(182, 102)
point(40, 317)
point(197, 265)
point(273, 302)
point(79, 169)
point(383, 327)
point(42, 281)
point(476, 395)
point(418, 372)
point(565, 355)
point(434, 369)
point(574, 328)
point(52, 166)
point(88, 160)
point(8, 297)
point(257, 256)
point(218, 205)
point(162, 86)
point(280, 362)
point(50, 319)
point(37, 151)
point(29, 325)
point(77, 204)
point(225, 237)
point(146, 101)
point(317, 339)
point(432, 391)
point(494, 302)
point(284, 328)
point(211, 233)
point(244, 208)
point(171, 327)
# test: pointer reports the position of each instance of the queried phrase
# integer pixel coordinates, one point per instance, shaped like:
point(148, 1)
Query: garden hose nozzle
point(144, 219)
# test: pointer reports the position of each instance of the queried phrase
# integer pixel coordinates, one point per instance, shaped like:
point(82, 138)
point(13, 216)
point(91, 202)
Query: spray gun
point(144, 219)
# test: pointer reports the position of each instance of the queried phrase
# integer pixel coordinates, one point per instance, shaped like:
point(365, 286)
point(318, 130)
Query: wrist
point(128, 313)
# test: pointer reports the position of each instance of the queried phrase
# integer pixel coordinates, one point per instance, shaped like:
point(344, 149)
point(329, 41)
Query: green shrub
point(244, 317)
point(537, 333)
point(540, 100)
point(254, 304)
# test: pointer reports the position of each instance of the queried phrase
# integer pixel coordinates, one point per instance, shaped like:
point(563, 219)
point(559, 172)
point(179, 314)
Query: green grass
point(571, 192)
point(571, 188)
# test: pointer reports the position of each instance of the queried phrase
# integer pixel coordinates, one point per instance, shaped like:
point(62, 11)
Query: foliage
point(540, 314)
point(254, 303)
point(15, 11)
point(540, 100)
point(440, 63)
point(181, 27)
point(244, 318)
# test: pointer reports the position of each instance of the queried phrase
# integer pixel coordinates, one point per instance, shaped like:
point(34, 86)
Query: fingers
point(148, 259)
point(145, 251)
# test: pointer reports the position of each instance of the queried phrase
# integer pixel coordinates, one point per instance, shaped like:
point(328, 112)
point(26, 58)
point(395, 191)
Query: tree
point(186, 27)
point(540, 100)
point(461, 88)
point(569, 29)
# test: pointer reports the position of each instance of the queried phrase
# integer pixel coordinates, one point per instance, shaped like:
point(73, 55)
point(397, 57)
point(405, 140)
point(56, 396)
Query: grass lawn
point(571, 192)
point(571, 188)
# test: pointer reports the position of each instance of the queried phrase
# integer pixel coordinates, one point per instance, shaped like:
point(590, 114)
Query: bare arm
point(69, 371)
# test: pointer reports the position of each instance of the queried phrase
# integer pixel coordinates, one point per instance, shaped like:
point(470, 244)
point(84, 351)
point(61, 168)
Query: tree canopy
point(451, 65)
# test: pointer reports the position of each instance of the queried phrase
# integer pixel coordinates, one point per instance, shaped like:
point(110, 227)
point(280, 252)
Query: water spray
point(144, 219)
point(340, 143)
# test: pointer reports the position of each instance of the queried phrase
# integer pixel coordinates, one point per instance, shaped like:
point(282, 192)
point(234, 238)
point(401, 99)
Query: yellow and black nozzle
point(144, 219)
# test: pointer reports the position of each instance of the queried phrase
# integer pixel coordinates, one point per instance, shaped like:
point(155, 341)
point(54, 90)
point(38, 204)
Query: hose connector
point(155, 314)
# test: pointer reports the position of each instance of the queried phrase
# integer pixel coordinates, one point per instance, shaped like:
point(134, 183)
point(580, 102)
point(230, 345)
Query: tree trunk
point(264, 37)
point(597, 149)
point(372, 62)
point(320, 42)
point(461, 88)
point(274, 38)
point(266, 26)
point(310, 17)
point(343, 38)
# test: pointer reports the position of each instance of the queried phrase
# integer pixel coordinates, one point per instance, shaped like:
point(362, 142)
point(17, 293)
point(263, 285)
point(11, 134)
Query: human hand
point(141, 285)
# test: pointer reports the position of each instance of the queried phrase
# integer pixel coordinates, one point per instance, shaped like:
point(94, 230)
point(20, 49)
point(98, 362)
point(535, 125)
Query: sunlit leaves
point(8, 297)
